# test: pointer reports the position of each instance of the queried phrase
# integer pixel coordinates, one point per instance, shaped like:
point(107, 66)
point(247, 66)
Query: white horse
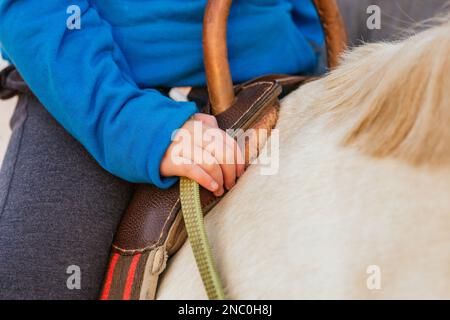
point(360, 207)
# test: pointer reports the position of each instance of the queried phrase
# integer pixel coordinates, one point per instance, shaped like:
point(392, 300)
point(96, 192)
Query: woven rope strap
point(195, 226)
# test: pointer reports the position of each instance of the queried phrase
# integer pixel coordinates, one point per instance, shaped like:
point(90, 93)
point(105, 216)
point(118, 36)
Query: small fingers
point(210, 165)
point(226, 151)
point(214, 157)
point(196, 173)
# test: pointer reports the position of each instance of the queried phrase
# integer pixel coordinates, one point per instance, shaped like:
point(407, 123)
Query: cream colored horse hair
point(400, 92)
point(347, 215)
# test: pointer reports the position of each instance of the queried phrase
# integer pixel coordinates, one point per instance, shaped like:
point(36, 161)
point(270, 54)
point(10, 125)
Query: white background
point(2, 63)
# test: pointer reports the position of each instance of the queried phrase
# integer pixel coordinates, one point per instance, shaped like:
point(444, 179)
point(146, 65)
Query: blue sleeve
point(82, 79)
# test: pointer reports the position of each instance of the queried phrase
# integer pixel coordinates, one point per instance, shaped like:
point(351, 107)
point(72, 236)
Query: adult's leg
point(58, 209)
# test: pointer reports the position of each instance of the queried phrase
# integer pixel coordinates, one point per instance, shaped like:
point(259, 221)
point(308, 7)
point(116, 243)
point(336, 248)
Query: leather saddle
point(152, 227)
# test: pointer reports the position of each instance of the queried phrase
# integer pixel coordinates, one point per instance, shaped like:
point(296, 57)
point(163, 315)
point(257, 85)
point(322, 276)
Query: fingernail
point(214, 186)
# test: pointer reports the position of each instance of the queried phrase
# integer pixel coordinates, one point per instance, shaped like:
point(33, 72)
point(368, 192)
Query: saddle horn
point(215, 50)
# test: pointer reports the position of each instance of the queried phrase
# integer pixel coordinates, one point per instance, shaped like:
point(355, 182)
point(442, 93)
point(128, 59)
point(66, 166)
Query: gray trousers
point(59, 210)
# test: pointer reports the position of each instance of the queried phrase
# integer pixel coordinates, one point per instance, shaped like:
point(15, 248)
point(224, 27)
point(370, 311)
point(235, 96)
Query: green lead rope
point(195, 226)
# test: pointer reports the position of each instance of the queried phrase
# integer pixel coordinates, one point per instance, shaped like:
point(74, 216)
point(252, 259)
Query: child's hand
point(210, 157)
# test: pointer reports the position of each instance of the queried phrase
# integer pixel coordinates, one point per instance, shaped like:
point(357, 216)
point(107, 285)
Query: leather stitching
point(154, 244)
point(260, 97)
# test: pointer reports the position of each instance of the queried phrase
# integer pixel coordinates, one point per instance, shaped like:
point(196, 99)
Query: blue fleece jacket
point(97, 80)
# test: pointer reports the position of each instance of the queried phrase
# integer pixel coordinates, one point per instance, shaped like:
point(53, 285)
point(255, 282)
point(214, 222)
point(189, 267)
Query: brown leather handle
point(218, 74)
point(215, 55)
point(334, 29)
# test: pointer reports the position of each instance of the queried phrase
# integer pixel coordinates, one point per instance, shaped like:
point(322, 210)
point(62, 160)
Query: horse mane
point(399, 93)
